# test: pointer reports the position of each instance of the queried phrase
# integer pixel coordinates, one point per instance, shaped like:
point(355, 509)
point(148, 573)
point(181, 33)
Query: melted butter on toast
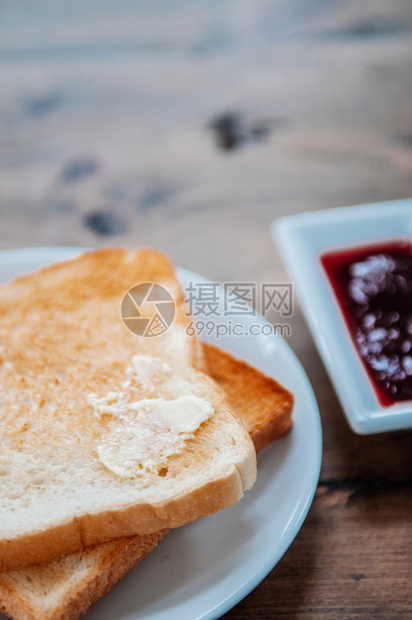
point(142, 433)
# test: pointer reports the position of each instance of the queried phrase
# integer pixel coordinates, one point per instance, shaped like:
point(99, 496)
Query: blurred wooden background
point(190, 126)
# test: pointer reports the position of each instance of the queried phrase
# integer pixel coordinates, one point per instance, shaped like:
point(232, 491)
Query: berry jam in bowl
point(373, 286)
point(352, 272)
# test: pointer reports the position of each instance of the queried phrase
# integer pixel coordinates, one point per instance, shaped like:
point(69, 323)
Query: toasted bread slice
point(65, 588)
point(91, 449)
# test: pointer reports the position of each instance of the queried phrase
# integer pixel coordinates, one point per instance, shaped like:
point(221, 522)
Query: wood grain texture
point(190, 127)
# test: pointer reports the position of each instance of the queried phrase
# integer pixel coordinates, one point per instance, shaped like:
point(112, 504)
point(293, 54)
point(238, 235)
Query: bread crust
point(264, 406)
point(145, 518)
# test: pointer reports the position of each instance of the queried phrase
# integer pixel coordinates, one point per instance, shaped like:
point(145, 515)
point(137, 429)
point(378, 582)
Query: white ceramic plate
point(301, 239)
point(201, 570)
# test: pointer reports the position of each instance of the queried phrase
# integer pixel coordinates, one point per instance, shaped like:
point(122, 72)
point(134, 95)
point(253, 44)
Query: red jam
point(373, 286)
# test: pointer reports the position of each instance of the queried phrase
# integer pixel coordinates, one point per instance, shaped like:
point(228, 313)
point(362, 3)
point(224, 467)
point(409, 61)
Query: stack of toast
point(109, 439)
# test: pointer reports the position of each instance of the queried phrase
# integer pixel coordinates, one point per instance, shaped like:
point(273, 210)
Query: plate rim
point(52, 254)
point(260, 575)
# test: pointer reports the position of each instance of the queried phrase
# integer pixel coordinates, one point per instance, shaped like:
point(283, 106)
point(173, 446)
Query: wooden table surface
point(190, 126)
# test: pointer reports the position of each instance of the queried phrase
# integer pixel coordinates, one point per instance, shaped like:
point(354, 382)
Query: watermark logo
point(148, 309)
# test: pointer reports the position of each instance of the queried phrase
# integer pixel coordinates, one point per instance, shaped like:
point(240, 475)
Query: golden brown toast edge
point(263, 405)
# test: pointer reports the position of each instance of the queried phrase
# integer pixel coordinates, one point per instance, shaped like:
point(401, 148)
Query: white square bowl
point(301, 240)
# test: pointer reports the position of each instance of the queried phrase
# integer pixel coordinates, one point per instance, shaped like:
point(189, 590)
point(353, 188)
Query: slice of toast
point(65, 588)
point(105, 434)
